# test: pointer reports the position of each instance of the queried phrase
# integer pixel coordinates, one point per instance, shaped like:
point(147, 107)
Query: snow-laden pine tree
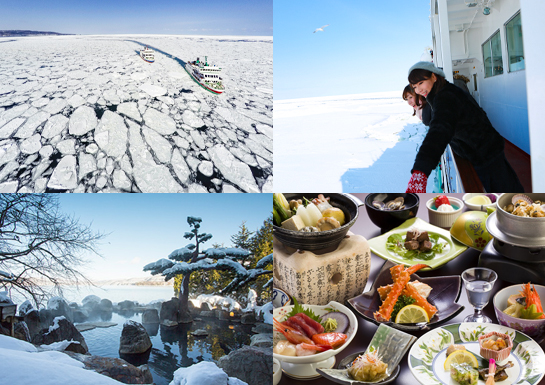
point(192, 258)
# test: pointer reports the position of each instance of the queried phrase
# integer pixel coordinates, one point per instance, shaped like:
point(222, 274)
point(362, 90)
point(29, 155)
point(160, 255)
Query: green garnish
point(330, 324)
point(395, 243)
point(530, 313)
point(402, 301)
point(300, 309)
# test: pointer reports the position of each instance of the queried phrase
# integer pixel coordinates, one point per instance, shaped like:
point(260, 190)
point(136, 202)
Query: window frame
point(489, 43)
point(507, 42)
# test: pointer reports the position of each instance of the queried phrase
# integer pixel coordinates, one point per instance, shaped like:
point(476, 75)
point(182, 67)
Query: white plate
point(428, 354)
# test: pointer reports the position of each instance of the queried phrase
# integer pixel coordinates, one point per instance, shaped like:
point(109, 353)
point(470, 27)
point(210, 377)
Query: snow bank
point(20, 363)
point(54, 303)
point(203, 373)
point(214, 301)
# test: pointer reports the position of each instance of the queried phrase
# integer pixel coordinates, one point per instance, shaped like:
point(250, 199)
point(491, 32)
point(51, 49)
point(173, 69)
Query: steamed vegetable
point(281, 208)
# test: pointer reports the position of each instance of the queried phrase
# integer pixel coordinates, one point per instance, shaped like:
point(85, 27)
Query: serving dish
point(427, 356)
point(304, 367)
point(391, 344)
point(444, 295)
point(280, 297)
point(524, 232)
point(378, 244)
point(532, 327)
point(473, 206)
point(277, 371)
point(387, 220)
point(329, 239)
point(444, 219)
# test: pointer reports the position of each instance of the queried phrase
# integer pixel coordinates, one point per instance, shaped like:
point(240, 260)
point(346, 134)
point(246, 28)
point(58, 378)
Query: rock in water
point(60, 330)
point(134, 339)
point(150, 316)
point(250, 364)
point(169, 313)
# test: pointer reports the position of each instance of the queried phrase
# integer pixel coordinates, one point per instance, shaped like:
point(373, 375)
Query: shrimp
point(292, 335)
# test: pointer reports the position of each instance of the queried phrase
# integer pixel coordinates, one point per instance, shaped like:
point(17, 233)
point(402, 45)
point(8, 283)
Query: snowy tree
point(40, 243)
point(193, 258)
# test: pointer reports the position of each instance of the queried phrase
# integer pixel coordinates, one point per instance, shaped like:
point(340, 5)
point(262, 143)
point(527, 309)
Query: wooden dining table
point(366, 329)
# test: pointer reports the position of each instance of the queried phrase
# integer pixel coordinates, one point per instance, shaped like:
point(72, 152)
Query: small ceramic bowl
point(498, 355)
point(475, 207)
point(277, 371)
point(280, 298)
point(532, 327)
point(444, 219)
point(387, 220)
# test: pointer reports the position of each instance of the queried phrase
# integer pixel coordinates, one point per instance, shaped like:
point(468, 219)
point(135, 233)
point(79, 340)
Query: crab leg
point(385, 311)
point(411, 269)
point(411, 291)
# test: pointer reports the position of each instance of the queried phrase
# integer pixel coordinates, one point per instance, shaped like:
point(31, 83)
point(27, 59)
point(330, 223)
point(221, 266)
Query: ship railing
point(458, 174)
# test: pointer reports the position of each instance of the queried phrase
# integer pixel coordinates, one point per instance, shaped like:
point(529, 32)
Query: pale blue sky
point(180, 17)
point(368, 47)
point(146, 227)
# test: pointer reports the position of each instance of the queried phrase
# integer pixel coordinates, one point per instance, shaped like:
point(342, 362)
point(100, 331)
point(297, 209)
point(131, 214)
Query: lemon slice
point(411, 314)
point(479, 200)
point(460, 357)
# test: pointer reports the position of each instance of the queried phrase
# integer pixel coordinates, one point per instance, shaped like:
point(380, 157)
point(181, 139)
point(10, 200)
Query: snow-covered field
point(351, 143)
point(87, 114)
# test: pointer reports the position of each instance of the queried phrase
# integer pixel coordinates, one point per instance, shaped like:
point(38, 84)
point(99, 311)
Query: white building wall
point(534, 49)
point(503, 97)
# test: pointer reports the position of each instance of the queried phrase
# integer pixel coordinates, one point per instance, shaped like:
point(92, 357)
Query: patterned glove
point(418, 182)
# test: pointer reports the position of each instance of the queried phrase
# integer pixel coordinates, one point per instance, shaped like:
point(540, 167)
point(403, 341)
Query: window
point(493, 63)
point(515, 48)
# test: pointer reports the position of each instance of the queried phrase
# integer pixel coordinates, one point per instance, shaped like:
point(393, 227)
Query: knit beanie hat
point(429, 66)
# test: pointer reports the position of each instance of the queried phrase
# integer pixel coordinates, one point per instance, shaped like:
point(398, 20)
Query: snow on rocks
point(82, 120)
point(64, 119)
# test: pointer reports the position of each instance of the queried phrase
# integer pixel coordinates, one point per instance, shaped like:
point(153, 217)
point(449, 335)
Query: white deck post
point(533, 30)
point(445, 38)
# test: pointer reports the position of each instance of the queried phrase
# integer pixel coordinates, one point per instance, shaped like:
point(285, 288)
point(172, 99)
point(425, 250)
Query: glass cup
point(478, 282)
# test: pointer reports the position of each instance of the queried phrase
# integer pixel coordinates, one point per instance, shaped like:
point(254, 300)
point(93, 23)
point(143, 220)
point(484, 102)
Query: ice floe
point(87, 114)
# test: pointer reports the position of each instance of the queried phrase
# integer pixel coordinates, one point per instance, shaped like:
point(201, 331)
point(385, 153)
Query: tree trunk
point(184, 316)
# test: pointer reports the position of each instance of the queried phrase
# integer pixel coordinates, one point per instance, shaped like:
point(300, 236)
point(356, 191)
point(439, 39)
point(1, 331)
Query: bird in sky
point(321, 28)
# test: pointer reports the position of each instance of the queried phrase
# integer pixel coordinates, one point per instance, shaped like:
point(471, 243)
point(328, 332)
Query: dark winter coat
point(426, 115)
point(459, 121)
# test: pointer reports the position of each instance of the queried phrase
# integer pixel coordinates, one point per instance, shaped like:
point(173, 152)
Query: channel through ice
point(87, 114)
point(351, 143)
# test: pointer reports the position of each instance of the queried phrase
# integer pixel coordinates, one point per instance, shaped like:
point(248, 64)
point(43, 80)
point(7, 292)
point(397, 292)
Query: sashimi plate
point(428, 354)
point(451, 249)
point(304, 367)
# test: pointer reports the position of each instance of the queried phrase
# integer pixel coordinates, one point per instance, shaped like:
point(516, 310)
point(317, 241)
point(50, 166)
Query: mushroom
point(327, 223)
point(295, 203)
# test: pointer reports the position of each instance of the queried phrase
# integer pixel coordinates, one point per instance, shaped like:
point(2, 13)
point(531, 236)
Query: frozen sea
point(350, 143)
point(87, 114)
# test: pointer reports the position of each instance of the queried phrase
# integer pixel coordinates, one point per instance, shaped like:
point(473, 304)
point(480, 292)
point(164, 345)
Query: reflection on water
point(172, 348)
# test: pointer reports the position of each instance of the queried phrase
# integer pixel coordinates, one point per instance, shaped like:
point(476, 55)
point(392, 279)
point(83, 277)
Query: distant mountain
point(148, 281)
point(19, 33)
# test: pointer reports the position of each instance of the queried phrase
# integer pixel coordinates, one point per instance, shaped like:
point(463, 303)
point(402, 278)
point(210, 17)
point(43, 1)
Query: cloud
point(136, 261)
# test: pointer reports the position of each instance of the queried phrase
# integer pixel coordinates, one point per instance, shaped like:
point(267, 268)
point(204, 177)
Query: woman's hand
point(418, 182)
